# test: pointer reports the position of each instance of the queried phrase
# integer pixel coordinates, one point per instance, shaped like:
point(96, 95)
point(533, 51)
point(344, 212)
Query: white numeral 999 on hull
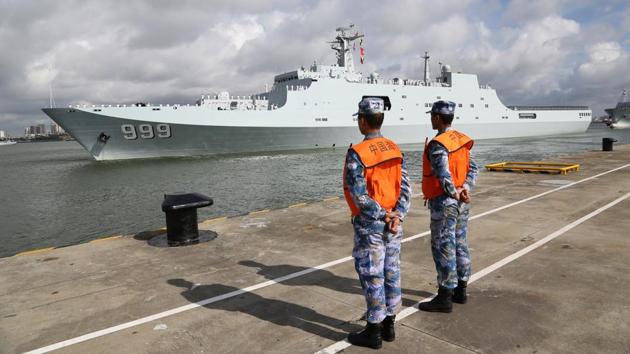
point(145, 131)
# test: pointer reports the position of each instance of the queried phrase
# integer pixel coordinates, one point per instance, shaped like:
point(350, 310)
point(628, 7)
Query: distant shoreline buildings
point(40, 130)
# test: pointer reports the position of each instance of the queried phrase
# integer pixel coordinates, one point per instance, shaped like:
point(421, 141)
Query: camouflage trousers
point(377, 262)
point(449, 245)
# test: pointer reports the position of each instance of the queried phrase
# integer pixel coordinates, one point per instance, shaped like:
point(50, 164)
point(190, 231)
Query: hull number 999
point(145, 131)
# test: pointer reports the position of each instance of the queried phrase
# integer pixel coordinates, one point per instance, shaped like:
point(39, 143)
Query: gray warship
point(619, 117)
point(308, 108)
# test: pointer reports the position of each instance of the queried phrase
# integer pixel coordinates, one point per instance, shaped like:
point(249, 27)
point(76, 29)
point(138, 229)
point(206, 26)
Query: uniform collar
point(373, 135)
point(445, 130)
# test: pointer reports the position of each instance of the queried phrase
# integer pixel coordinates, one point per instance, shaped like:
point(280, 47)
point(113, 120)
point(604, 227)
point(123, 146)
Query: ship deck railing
point(401, 82)
point(548, 108)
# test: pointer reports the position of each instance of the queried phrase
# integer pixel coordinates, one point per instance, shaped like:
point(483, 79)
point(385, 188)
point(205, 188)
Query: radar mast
point(624, 97)
point(427, 77)
point(342, 45)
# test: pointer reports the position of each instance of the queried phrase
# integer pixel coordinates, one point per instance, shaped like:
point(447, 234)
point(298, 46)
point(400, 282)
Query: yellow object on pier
point(534, 167)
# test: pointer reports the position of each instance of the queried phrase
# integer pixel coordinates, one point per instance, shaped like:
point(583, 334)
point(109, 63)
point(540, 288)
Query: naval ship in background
point(619, 117)
point(307, 109)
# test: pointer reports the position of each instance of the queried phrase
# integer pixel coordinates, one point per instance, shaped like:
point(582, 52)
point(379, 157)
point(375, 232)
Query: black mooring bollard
point(607, 144)
point(181, 217)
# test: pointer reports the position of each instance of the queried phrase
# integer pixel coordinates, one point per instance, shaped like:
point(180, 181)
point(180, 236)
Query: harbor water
point(54, 194)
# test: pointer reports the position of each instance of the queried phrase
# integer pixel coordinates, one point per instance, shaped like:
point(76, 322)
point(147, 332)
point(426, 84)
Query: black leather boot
point(441, 303)
point(459, 294)
point(369, 337)
point(387, 331)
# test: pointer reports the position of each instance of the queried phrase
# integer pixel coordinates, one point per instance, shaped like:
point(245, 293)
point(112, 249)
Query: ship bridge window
point(460, 105)
point(527, 115)
point(388, 103)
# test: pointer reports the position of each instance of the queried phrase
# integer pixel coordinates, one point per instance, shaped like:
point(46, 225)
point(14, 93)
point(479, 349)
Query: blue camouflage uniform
point(449, 221)
point(376, 250)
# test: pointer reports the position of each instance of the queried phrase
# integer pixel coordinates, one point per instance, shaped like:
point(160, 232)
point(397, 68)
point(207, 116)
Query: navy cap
point(371, 105)
point(443, 107)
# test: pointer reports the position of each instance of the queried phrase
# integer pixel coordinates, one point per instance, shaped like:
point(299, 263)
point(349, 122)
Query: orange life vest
point(382, 160)
point(458, 146)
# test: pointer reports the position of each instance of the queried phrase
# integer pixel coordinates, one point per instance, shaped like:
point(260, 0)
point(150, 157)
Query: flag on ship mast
point(361, 51)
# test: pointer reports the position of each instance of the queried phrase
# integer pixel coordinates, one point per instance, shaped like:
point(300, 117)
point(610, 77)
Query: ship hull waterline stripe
point(231, 294)
point(341, 345)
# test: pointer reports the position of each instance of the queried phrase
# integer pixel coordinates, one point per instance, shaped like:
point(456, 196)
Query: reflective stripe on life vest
point(458, 146)
point(382, 160)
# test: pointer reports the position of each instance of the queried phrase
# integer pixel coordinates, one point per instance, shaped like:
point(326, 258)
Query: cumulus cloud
point(602, 76)
point(525, 59)
point(532, 52)
point(524, 11)
point(605, 59)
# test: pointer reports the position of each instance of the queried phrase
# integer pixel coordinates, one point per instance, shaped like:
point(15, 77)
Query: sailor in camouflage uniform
point(449, 173)
point(377, 190)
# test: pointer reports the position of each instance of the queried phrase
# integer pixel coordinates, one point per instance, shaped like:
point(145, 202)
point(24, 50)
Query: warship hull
point(308, 109)
point(103, 137)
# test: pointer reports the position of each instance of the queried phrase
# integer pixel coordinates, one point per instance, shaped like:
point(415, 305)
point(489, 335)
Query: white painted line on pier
point(477, 216)
point(341, 345)
point(180, 309)
point(184, 308)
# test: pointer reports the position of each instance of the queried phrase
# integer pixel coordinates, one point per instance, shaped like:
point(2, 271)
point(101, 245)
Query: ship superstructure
point(308, 108)
point(619, 117)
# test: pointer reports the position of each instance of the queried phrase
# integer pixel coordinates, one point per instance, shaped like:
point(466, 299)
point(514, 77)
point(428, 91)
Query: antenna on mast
point(50, 96)
point(426, 67)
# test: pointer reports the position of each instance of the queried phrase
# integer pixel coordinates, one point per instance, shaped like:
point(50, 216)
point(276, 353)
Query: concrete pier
point(550, 258)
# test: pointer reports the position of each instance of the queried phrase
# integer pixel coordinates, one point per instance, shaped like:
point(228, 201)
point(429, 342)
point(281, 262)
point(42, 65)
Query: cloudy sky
point(554, 52)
